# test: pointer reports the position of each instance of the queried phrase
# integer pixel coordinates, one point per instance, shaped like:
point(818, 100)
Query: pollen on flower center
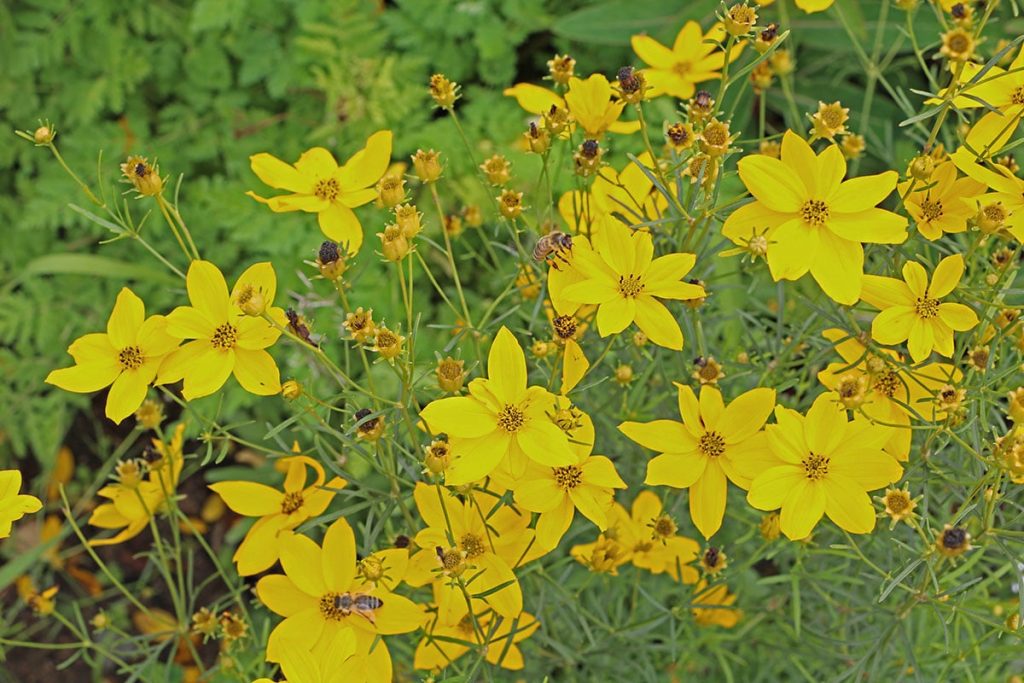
point(568, 477)
point(472, 545)
point(711, 444)
point(565, 326)
point(816, 466)
point(511, 418)
point(327, 189)
point(1017, 96)
point(897, 501)
point(664, 527)
point(814, 212)
point(291, 502)
point(330, 610)
point(926, 308)
point(630, 286)
point(131, 357)
point(224, 337)
point(682, 68)
point(931, 209)
point(886, 383)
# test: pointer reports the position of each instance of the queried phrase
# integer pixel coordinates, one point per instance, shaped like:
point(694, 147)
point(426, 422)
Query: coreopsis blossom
point(815, 220)
point(1007, 191)
point(590, 102)
point(711, 605)
point(623, 279)
point(714, 443)
point(587, 485)
point(885, 391)
point(939, 206)
point(629, 194)
point(693, 58)
point(134, 502)
point(913, 310)
point(14, 505)
point(444, 643)
point(501, 418)
point(340, 663)
point(278, 511)
point(126, 357)
point(225, 338)
point(490, 540)
point(319, 185)
point(825, 465)
point(647, 537)
point(321, 594)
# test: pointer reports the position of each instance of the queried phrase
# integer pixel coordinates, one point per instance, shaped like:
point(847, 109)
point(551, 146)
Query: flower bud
point(992, 217)
point(387, 343)
point(680, 136)
point(437, 456)
point(359, 324)
point(390, 191)
point(143, 176)
point(556, 119)
point(537, 139)
point(921, 168)
point(369, 428)
point(331, 261)
point(408, 219)
point(766, 38)
point(443, 91)
point(291, 390)
point(451, 375)
point(587, 159)
point(510, 203)
point(739, 19)
point(44, 135)
point(497, 170)
point(394, 244)
point(561, 68)
point(427, 165)
point(632, 85)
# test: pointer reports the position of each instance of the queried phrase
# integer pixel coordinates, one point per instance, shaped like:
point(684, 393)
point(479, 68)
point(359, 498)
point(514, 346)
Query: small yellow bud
point(510, 204)
point(830, 121)
point(427, 165)
point(537, 139)
point(561, 68)
point(437, 456)
point(587, 158)
point(44, 135)
point(143, 176)
point(497, 169)
point(443, 91)
point(766, 38)
point(408, 219)
point(390, 191)
point(680, 136)
point(291, 390)
point(852, 146)
point(740, 19)
point(360, 325)
point(369, 428)
point(921, 168)
point(251, 301)
point(472, 216)
point(150, 414)
point(451, 375)
point(992, 217)
point(331, 261)
point(387, 343)
point(624, 374)
point(394, 244)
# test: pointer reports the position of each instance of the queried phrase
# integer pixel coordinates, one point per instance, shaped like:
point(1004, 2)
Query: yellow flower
point(319, 185)
point(501, 418)
point(816, 221)
point(623, 279)
point(126, 357)
point(628, 194)
point(321, 595)
point(657, 553)
point(892, 395)
point(711, 606)
point(590, 103)
point(939, 205)
point(490, 540)
point(693, 58)
point(225, 340)
point(557, 492)
point(132, 505)
point(279, 511)
point(812, 6)
point(445, 643)
point(13, 505)
point(912, 309)
point(713, 443)
point(340, 662)
point(1007, 189)
point(825, 465)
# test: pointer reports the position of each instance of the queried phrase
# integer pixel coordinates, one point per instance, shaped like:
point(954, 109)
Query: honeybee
point(552, 247)
point(358, 603)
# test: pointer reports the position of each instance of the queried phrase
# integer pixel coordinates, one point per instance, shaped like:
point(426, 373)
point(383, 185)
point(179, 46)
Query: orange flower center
point(1017, 96)
point(816, 466)
point(931, 210)
point(664, 527)
point(896, 501)
point(926, 308)
point(814, 212)
point(511, 418)
point(327, 189)
point(130, 357)
point(472, 545)
point(568, 477)
point(711, 444)
point(291, 503)
point(224, 337)
point(682, 68)
point(630, 286)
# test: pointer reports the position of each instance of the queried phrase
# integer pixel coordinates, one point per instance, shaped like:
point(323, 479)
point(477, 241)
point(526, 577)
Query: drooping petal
point(553, 523)
point(340, 224)
point(127, 393)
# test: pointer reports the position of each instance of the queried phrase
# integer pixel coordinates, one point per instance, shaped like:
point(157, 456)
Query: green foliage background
point(202, 85)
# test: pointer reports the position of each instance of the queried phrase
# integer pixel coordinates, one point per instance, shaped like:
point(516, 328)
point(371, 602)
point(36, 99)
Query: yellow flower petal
point(876, 226)
point(663, 436)
point(574, 366)
point(600, 471)
point(920, 340)
point(655, 320)
point(85, 378)
point(794, 246)
point(884, 292)
point(258, 550)
point(615, 315)
point(552, 524)
point(208, 291)
point(301, 560)
point(278, 174)
point(860, 194)
point(126, 319)
point(848, 505)
point(533, 98)
point(316, 163)
point(207, 372)
point(539, 495)
point(506, 367)
point(797, 154)
point(249, 498)
point(340, 224)
point(257, 372)
point(474, 459)
point(946, 276)
point(893, 325)
point(368, 164)
point(652, 52)
point(459, 416)
point(825, 425)
point(302, 627)
point(282, 596)
point(746, 414)
point(870, 468)
point(339, 556)
point(508, 601)
point(259, 277)
point(678, 470)
point(128, 392)
point(594, 509)
point(707, 499)
point(772, 183)
point(544, 443)
point(186, 322)
point(838, 268)
point(802, 510)
point(957, 316)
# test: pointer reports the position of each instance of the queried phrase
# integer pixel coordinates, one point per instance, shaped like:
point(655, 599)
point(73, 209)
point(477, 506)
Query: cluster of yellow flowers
point(509, 456)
